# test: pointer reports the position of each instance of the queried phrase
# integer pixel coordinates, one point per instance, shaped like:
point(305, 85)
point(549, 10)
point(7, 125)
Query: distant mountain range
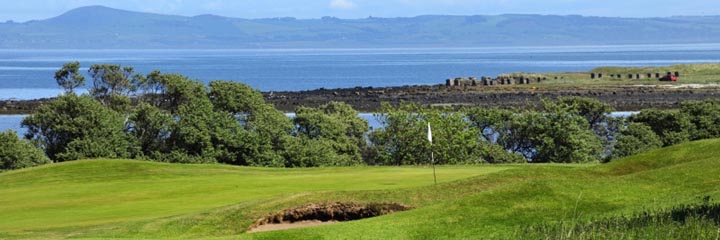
point(98, 27)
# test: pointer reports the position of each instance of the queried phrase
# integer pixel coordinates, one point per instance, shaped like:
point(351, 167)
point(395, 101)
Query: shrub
point(636, 138)
point(16, 153)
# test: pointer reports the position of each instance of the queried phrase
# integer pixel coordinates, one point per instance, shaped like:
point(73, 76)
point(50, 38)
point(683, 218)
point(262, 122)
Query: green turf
point(128, 199)
point(94, 192)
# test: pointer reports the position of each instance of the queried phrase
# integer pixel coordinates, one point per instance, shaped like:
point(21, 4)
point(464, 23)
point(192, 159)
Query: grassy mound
point(129, 199)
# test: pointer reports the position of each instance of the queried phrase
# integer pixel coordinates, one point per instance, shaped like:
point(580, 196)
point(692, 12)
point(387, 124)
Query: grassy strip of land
point(129, 199)
point(705, 73)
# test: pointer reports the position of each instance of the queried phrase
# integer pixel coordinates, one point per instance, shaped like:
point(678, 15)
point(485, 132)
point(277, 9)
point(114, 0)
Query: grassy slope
point(493, 204)
point(96, 192)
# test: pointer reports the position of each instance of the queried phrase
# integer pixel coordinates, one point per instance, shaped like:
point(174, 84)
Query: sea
point(28, 74)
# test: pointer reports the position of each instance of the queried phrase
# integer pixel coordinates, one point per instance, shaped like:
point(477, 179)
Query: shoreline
point(621, 97)
point(369, 99)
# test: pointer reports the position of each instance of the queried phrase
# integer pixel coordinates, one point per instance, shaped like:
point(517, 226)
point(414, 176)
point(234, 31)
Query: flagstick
point(432, 155)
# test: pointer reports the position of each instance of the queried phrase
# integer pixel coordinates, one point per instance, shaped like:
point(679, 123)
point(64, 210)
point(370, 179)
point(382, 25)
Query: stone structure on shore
point(489, 81)
point(636, 76)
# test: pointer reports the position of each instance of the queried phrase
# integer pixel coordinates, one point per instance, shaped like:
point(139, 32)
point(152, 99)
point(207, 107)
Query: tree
point(306, 152)
point(554, 136)
point(491, 122)
point(264, 126)
point(16, 153)
point(594, 111)
point(337, 123)
point(151, 128)
point(634, 139)
point(704, 116)
point(69, 77)
point(150, 87)
point(111, 80)
point(403, 141)
point(672, 127)
point(73, 127)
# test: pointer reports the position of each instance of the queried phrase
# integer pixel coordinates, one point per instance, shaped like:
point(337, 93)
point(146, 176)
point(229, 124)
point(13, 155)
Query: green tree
point(338, 123)
point(111, 80)
point(671, 126)
point(553, 136)
point(306, 152)
point(16, 153)
point(264, 126)
point(69, 77)
point(634, 139)
point(492, 123)
point(594, 111)
point(73, 127)
point(403, 138)
point(704, 116)
point(151, 127)
point(150, 87)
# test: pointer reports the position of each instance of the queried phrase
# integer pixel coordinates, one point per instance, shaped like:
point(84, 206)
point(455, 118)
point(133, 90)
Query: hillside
point(102, 27)
point(108, 199)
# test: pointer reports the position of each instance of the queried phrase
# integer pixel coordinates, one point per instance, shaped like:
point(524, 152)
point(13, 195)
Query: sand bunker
point(323, 213)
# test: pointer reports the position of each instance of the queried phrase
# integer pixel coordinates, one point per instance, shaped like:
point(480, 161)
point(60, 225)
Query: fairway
point(101, 191)
point(132, 199)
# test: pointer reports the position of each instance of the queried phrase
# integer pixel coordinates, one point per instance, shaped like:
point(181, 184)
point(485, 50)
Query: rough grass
point(705, 73)
point(149, 200)
point(693, 221)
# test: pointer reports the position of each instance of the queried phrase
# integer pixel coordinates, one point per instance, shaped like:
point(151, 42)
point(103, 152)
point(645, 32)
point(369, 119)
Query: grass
point(705, 73)
point(128, 199)
point(693, 221)
point(86, 193)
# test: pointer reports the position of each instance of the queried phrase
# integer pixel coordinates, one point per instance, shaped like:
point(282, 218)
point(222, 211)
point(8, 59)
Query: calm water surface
point(28, 74)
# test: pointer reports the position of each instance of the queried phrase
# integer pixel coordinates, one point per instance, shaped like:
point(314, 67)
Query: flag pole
point(432, 153)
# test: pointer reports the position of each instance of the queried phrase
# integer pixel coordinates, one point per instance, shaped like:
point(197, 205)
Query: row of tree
point(170, 118)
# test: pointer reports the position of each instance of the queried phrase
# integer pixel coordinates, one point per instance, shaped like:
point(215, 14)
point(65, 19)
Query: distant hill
point(102, 27)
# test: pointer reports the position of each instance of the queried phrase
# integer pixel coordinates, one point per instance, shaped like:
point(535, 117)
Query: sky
point(24, 10)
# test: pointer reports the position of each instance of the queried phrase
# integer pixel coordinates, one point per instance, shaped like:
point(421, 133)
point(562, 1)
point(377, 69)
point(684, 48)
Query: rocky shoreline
point(369, 99)
point(622, 98)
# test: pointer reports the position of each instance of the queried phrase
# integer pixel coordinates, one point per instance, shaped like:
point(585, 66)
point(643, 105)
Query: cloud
point(342, 4)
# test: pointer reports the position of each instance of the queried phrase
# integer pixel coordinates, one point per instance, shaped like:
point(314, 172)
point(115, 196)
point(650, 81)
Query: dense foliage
point(16, 153)
point(170, 118)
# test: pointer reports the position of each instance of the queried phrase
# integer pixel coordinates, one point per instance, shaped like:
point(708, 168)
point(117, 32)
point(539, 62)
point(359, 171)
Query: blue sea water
point(28, 74)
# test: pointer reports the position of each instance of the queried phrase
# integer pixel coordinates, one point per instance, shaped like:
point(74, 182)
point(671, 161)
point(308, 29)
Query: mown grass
point(475, 202)
point(93, 192)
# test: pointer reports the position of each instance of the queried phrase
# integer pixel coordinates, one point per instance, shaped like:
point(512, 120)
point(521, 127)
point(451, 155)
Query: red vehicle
point(669, 78)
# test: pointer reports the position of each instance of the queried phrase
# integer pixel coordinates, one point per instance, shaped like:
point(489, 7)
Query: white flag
point(429, 133)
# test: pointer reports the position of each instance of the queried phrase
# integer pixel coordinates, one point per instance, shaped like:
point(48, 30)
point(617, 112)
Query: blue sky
point(23, 10)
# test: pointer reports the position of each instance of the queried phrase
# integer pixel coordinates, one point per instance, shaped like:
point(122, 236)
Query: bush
point(73, 127)
point(336, 123)
point(403, 140)
point(672, 127)
point(493, 153)
point(704, 116)
point(556, 136)
point(16, 153)
point(636, 138)
point(306, 152)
